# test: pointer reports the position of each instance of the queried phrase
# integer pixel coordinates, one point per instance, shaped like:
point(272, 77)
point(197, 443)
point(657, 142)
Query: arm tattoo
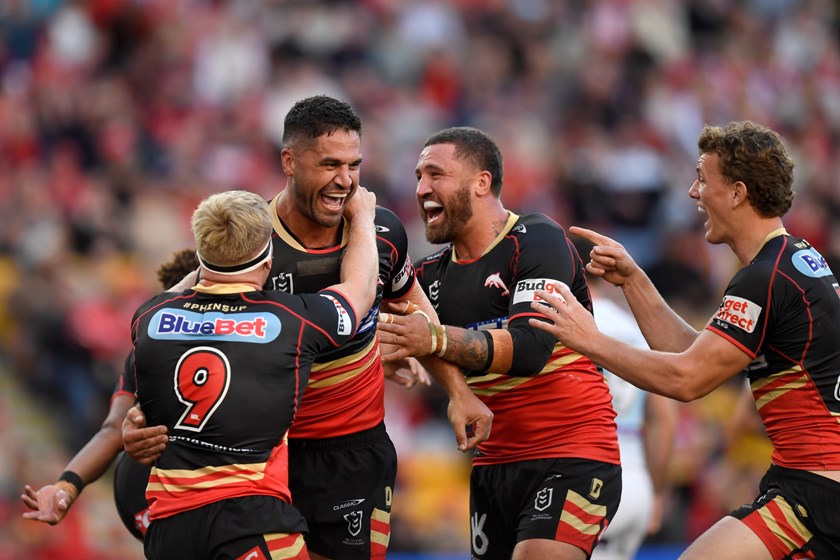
point(466, 348)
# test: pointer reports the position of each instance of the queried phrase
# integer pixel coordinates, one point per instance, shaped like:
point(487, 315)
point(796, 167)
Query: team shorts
point(130, 480)
point(567, 500)
point(343, 487)
point(797, 514)
point(252, 527)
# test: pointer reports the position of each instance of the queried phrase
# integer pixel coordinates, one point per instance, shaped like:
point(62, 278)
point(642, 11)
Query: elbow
point(687, 391)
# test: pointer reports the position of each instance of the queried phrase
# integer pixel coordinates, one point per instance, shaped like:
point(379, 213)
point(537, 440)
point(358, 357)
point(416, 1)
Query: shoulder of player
point(439, 256)
point(539, 230)
point(387, 220)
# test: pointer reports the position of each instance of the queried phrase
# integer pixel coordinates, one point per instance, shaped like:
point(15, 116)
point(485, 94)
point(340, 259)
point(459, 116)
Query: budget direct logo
point(171, 324)
point(525, 291)
point(739, 312)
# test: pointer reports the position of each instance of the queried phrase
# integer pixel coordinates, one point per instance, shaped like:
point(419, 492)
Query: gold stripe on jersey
point(287, 237)
point(182, 480)
point(790, 519)
point(318, 382)
point(378, 536)
point(796, 380)
point(285, 551)
point(553, 365)
point(596, 511)
point(510, 383)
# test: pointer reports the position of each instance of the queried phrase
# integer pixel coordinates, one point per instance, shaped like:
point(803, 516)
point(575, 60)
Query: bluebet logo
point(168, 324)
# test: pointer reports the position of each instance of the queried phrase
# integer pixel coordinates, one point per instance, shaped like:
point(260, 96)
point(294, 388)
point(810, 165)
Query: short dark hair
point(476, 146)
point(315, 116)
point(756, 156)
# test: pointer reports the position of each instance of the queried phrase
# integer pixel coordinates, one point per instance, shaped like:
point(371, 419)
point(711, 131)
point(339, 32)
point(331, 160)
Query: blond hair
point(231, 227)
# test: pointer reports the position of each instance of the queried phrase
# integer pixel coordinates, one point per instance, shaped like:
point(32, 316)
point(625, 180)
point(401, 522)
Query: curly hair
point(756, 156)
point(179, 265)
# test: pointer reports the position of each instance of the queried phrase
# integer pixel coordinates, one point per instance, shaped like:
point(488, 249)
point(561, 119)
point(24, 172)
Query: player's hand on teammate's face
point(571, 323)
point(608, 258)
point(410, 334)
point(360, 205)
point(142, 444)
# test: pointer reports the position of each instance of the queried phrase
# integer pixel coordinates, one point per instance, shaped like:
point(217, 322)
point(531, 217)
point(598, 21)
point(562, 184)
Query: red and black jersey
point(561, 408)
point(346, 388)
point(783, 310)
point(223, 368)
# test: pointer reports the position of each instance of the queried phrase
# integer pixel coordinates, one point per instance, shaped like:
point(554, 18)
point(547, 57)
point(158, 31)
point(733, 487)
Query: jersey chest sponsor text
point(177, 324)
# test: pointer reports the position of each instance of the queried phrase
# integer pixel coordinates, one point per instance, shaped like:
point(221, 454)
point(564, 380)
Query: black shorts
point(343, 487)
point(565, 500)
point(130, 480)
point(253, 527)
point(797, 514)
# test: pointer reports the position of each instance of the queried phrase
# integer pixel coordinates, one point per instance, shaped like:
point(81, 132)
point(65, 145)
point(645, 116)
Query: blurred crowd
point(118, 116)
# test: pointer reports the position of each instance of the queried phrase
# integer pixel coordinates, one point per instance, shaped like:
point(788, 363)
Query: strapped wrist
point(71, 482)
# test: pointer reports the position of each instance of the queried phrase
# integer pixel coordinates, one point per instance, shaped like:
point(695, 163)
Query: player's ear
point(482, 185)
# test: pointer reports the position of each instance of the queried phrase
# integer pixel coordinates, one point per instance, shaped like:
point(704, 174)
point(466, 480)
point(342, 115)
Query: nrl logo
point(283, 282)
point(543, 500)
point(354, 522)
point(495, 281)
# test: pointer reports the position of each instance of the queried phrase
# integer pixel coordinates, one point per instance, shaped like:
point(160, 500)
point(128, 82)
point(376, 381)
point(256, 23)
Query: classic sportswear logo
point(177, 324)
point(526, 290)
point(739, 312)
point(348, 503)
point(495, 281)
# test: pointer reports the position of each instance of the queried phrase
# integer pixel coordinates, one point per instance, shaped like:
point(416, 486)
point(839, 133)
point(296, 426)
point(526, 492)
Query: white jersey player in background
point(646, 427)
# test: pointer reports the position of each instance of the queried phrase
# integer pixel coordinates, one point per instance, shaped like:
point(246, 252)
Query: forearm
point(466, 348)
point(446, 374)
point(662, 328)
point(360, 266)
point(97, 455)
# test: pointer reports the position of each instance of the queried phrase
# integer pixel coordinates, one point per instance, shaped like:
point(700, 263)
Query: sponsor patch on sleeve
point(526, 290)
point(739, 312)
point(402, 277)
point(345, 325)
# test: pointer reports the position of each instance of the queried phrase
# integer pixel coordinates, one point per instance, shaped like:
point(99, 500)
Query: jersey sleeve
point(395, 268)
point(742, 317)
point(545, 256)
point(331, 317)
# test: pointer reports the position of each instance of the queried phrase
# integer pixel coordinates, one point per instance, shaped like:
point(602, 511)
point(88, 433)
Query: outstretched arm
point(662, 328)
point(684, 376)
point(50, 503)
